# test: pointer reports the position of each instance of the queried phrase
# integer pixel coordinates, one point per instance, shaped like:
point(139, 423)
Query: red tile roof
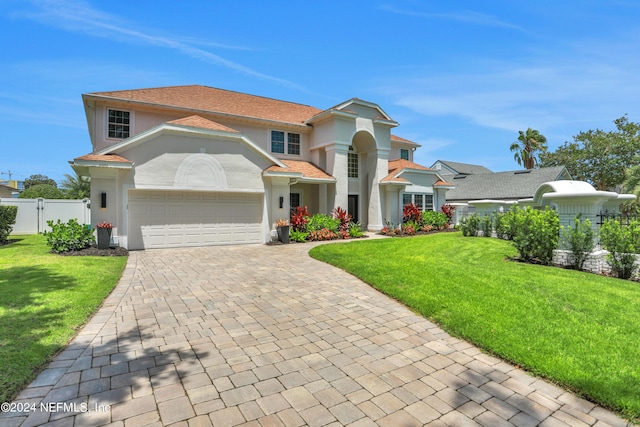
point(202, 123)
point(396, 166)
point(406, 141)
point(307, 169)
point(213, 100)
point(103, 158)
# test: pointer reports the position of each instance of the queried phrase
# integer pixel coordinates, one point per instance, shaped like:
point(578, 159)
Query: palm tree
point(529, 145)
point(76, 187)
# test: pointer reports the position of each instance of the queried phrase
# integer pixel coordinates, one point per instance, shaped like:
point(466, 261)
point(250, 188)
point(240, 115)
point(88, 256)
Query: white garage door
point(164, 219)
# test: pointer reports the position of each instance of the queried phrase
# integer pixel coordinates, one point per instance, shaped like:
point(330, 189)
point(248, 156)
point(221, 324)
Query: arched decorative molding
point(201, 170)
point(363, 140)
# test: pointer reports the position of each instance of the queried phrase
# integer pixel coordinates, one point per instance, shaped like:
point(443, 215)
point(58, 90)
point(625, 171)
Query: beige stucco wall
point(175, 161)
point(145, 120)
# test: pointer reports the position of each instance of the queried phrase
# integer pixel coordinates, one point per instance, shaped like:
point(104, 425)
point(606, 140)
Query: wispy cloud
point(79, 16)
point(511, 97)
point(467, 17)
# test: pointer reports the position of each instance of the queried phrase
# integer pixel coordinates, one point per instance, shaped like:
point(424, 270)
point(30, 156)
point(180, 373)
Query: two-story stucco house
point(195, 165)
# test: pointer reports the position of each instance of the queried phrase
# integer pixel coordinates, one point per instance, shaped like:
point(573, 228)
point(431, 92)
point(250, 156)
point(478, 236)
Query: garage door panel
point(172, 219)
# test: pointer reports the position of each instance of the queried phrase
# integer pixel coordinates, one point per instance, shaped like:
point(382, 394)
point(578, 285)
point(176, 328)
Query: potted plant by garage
point(282, 226)
point(104, 234)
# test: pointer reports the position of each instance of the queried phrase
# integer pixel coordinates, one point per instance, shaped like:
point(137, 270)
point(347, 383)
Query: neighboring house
point(445, 167)
point(507, 186)
point(7, 191)
point(195, 165)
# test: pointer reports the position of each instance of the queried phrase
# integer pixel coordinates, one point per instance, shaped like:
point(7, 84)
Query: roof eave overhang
point(326, 114)
point(299, 176)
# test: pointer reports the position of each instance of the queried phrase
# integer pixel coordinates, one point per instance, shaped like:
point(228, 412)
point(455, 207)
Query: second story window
point(119, 124)
point(404, 154)
point(352, 164)
point(278, 145)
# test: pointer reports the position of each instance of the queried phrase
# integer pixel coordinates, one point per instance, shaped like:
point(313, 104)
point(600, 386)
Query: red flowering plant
point(104, 224)
point(410, 213)
point(299, 219)
point(342, 215)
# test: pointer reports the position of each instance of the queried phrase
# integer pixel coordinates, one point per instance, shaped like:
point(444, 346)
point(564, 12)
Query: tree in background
point(76, 187)
point(598, 157)
point(46, 191)
point(529, 145)
point(39, 179)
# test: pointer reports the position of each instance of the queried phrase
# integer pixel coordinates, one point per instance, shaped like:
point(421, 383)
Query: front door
point(352, 208)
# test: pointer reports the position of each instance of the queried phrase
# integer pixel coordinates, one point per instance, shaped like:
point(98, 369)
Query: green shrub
point(470, 225)
point(298, 236)
point(486, 225)
point(503, 224)
point(46, 191)
point(535, 234)
point(8, 216)
point(580, 240)
point(435, 219)
point(355, 230)
point(622, 242)
point(321, 221)
point(71, 236)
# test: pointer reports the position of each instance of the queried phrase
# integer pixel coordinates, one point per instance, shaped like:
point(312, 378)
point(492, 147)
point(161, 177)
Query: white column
point(376, 221)
point(337, 164)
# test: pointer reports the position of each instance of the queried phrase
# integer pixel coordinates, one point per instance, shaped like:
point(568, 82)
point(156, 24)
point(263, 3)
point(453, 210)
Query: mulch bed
point(94, 251)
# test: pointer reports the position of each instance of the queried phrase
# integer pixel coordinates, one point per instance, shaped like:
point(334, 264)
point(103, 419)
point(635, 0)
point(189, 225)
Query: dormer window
point(119, 124)
point(404, 154)
point(278, 145)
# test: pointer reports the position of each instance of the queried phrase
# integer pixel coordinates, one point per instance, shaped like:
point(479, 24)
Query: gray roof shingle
point(511, 185)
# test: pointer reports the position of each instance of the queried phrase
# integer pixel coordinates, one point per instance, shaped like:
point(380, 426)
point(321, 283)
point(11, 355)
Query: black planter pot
point(104, 238)
point(283, 233)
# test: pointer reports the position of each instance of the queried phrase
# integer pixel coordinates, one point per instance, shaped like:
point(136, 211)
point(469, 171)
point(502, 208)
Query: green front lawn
point(577, 329)
point(44, 299)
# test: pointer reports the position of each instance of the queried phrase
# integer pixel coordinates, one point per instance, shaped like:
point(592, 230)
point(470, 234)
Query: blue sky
point(460, 77)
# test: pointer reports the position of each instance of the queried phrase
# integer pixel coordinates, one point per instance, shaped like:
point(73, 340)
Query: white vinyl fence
point(33, 214)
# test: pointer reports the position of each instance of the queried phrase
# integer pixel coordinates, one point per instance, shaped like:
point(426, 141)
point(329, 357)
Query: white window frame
point(107, 123)
point(405, 150)
point(427, 203)
point(353, 163)
point(287, 143)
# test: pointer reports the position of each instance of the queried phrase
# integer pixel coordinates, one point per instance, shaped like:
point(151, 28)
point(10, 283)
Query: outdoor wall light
point(281, 201)
point(103, 200)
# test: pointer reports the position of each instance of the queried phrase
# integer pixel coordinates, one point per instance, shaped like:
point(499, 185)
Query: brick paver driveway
point(266, 336)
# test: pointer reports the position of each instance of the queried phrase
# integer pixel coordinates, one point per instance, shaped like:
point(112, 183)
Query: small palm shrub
point(355, 230)
point(298, 236)
point(70, 236)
